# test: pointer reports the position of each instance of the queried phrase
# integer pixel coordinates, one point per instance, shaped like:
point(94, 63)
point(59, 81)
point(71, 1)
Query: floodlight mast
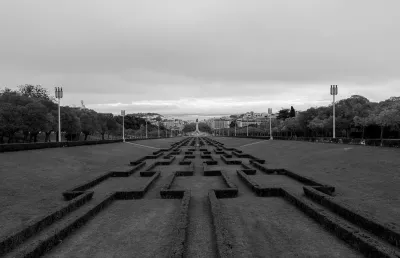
point(59, 95)
point(270, 126)
point(334, 92)
point(123, 125)
point(247, 120)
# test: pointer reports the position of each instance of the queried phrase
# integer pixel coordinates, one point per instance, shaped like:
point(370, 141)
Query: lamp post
point(158, 128)
point(247, 120)
point(334, 92)
point(235, 128)
point(146, 128)
point(123, 125)
point(270, 126)
point(59, 95)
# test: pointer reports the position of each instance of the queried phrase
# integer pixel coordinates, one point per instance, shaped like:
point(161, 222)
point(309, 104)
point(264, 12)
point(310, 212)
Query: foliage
point(283, 114)
point(292, 112)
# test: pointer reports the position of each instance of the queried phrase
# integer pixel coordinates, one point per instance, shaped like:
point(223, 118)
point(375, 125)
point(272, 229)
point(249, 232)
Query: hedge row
point(224, 238)
point(360, 241)
point(140, 160)
point(167, 193)
point(45, 145)
point(248, 156)
point(394, 143)
point(328, 189)
point(230, 161)
point(20, 235)
point(179, 233)
point(391, 235)
point(137, 194)
point(82, 188)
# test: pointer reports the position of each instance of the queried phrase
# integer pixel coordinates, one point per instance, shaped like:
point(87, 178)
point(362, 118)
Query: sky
point(202, 57)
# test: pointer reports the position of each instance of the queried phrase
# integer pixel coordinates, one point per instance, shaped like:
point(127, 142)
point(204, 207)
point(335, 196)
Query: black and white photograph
point(213, 128)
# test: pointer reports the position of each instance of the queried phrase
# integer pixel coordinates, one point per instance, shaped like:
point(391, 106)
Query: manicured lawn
point(32, 181)
point(273, 226)
point(367, 178)
point(132, 228)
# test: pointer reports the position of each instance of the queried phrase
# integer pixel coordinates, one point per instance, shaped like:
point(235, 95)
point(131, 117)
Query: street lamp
point(334, 92)
point(235, 127)
point(146, 128)
point(270, 126)
point(158, 128)
point(123, 125)
point(247, 120)
point(59, 95)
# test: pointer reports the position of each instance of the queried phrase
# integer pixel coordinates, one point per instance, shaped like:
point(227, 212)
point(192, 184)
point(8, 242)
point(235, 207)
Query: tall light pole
point(123, 125)
point(247, 120)
point(334, 92)
point(59, 95)
point(146, 128)
point(270, 125)
point(158, 128)
point(235, 127)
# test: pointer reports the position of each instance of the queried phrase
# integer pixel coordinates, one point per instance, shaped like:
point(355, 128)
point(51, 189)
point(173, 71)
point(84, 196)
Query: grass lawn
point(32, 181)
point(132, 228)
point(273, 226)
point(367, 178)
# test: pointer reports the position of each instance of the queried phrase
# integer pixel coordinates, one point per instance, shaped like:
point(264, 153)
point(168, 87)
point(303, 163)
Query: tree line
point(30, 110)
point(355, 117)
point(203, 127)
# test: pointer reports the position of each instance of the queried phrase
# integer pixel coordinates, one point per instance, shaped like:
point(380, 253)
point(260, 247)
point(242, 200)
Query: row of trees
point(356, 117)
point(203, 127)
point(30, 111)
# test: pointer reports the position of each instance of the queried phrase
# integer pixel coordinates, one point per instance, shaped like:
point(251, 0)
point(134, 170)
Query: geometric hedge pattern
point(195, 175)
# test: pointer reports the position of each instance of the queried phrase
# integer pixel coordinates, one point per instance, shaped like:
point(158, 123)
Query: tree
point(10, 120)
point(37, 92)
point(386, 118)
point(50, 125)
point(89, 123)
point(362, 122)
point(291, 125)
point(70, 123)
point(316, 125)
point(292, 112)
point(232, 124)
point(34, 118)
point(190, 128)
point(283, 114)
point(102, 120)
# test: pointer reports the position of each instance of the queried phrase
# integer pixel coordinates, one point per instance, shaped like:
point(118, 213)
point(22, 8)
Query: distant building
point(218, 123)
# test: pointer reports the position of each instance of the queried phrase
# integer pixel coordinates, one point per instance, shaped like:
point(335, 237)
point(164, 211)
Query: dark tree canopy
point(292, 112)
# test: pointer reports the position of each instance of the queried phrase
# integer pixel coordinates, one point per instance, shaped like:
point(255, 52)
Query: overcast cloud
point(204, 56)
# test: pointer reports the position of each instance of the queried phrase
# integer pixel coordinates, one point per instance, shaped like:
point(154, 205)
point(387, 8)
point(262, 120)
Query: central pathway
point(201, 238)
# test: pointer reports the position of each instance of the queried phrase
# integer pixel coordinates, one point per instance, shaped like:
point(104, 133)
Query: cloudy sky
point(208, 56)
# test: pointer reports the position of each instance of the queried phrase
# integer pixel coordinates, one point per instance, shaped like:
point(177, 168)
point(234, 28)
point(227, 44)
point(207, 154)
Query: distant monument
point(197, 127)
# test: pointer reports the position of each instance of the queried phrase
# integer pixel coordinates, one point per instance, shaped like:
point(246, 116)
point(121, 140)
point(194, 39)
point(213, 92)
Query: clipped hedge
point(342, 229)
point(393, 143)
point(179, 233)
point(44, 145)
point(225, 240)
point(19, 236)
point(391, 235)
point(230, 161)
